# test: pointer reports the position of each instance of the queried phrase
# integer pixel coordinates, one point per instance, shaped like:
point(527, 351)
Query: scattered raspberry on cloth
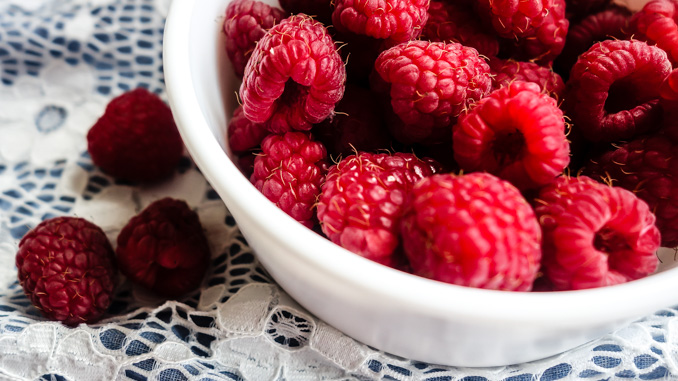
point(66, 267)
point(595, 235)
point(473, 230)
point(136, 138)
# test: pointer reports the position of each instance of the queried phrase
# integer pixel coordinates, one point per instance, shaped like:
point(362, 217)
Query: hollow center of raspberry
point(610, 241)
point(508, 146)
point(623, 95)
point(292, 93)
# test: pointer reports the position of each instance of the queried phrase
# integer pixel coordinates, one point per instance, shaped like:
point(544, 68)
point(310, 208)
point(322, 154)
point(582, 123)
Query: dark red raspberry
point(578, 9)
point(656, 24)
point(516, 133)
point(395, 20)
point(361, 201)
point(294, 77)
point(668, 93)
point(289, 172)
point(507, 71)
point(472, 230)
point(458, 22)
point(611, 23)
point(649, 168)
point(429, 84)
point(321, 10)
point(546, 41)
point(67, 269)
point(357, 125)
point(595, 235)
point(515, 19)
point(164, 248)
point(136, 138)
point(613, 90)
point(359, 52)
point(243, 134)
point(246, 21)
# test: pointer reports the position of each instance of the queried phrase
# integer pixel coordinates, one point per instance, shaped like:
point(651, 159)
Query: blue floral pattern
point(106, 47)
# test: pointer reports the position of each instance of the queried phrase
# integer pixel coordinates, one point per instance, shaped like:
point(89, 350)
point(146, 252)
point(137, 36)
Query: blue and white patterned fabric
point(60, 63)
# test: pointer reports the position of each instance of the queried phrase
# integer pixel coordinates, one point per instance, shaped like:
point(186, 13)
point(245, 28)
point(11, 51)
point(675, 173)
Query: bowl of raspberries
point(468, 183)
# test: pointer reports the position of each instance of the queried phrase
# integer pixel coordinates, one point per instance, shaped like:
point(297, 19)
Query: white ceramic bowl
point(396, 312)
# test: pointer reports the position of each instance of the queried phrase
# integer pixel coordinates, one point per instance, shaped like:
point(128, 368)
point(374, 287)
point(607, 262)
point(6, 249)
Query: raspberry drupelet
point(517, 133)
point(648, 167)
point(67, 269)
point(429, 84)
point(245, 22)
point(361, 201)
point(393, 20)
point(295, 76)
point(613, 90)
point(289, 171)
point(473, 230)
point(594, 235)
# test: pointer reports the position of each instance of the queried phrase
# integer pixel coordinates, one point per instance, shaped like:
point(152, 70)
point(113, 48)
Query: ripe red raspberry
point(164, 248)
point(320, 10)
point(243, 134)
point(594, 235)
point(507, 71)
point(67, 269)
point(611, 23)
point(136, 138)
point(613, 90)
point(294, 77)
point(546, 41)
point(357, 125)
point(472, 230)
point(668, 93)
point(361, 201)
point(429, 84)
point(514, 19)
point(289, 172)
point(516, 133)
point(458, 22)
point(649, 168)
point(577, 9)
point(656, 24)
point(395, 20)
point(246, 21)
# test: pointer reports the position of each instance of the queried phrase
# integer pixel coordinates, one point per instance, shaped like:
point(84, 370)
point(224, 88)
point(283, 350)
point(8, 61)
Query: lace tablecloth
point(60, 63)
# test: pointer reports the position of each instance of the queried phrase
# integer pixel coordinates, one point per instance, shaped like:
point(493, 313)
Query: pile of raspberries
point(509, 145)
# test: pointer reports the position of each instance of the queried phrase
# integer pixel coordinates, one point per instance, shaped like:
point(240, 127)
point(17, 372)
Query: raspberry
point(547, 40)
point(595, 235)
point(506, 71)
point(289, 172)
point(164, 248)
point(246, 21)
point(516, 133)
point(668, 93)
point(577, 9)
point(359, 52)
point(458, 22)
point(514, 19)
point(358, 124)
point(67, 269)
point(613, 90)
point(321, 10)
point(294, 77)
point(472, 230)
point(244, 134)
point(361, 201)
point(610, 23)
point(429, 84)
point(649, 168)
point(656, 24)
point(136, 138)
point(396, 20)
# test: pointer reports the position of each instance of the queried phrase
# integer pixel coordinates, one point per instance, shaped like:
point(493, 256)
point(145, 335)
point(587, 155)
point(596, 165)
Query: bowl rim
point(559, 308)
